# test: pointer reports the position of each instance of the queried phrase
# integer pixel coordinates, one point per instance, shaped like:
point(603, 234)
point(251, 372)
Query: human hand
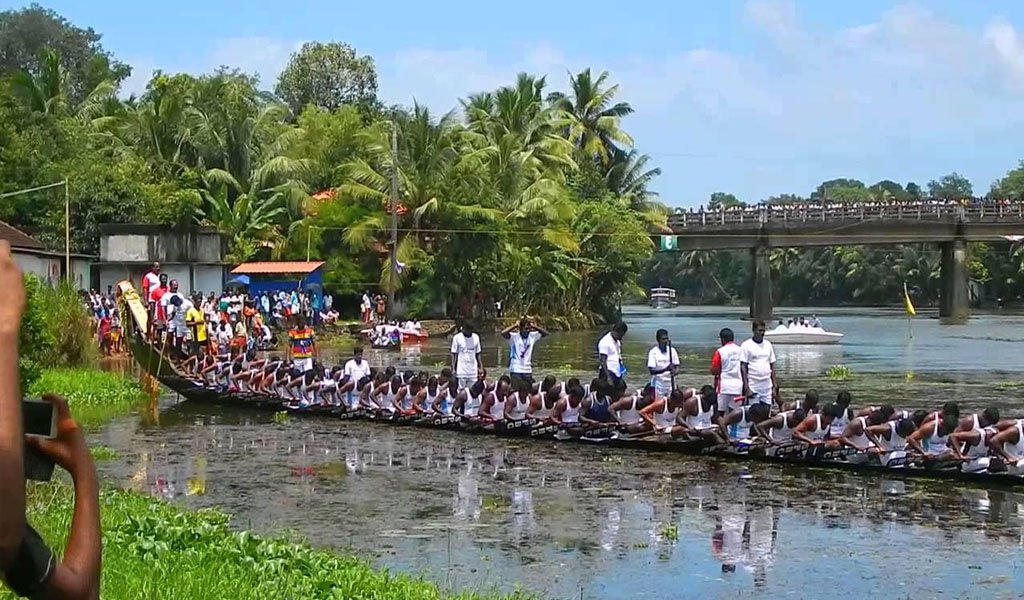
point(12, 292)
point(68, 448)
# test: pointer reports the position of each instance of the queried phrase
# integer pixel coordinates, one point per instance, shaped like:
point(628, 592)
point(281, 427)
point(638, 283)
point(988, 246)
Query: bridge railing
point(806, 214)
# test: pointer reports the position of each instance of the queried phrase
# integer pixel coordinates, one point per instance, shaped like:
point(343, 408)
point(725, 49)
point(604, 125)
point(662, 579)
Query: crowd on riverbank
point(923, 203)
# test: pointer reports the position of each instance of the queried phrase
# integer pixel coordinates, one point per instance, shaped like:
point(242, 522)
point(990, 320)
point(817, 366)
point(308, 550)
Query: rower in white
point(857, 434)
point(778, 430)
point(542, 407)
point(626, 408)
point(519, 402)
point(814, 429)
point(467, 404)
point(738, 425)
point(699, 415)
point(663, 414)
point(492, 409)
point(567, 412)
point(971, 448)
point(891, 438)
point(1009, 444)
point(809, 403)
point(931, 439)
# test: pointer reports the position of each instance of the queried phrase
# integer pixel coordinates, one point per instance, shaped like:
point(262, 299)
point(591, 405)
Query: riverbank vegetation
point(94, 396)
point(838, 275)
point(152, 550)
point(56, 332)
point(531, 193)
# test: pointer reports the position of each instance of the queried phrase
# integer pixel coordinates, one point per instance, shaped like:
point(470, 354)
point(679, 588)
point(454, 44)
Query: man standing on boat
point(302, 345)
point(609, 352)
point(757, 368)
point(521, 343)
point(150, 280)
point(663, 363)
point(725, 366)
point(466, 356)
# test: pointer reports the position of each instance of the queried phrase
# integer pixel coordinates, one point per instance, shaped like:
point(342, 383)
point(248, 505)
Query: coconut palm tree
point(47, 90)
point(594, 121)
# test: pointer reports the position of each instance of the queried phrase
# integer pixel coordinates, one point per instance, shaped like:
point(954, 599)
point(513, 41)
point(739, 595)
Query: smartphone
point(39, 419)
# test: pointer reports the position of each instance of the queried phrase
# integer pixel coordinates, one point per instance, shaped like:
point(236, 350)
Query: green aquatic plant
point(281, 416)
point(153, 550)
point(670, 532)
point(103, 453)
point(94, 396)
point(838, 372)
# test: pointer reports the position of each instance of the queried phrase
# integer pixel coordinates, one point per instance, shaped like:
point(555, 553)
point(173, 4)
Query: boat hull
point(248, 401)
point(802, 338)
point(152, 361)
point(663, 303)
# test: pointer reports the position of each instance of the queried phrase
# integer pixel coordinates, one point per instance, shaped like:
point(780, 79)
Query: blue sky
point(755, 97)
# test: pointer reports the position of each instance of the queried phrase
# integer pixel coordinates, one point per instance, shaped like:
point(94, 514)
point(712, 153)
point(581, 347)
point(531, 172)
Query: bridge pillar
point(761, 283)
point(954, 301)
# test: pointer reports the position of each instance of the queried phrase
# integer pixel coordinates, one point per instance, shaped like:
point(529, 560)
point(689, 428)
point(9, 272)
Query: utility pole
point(394, 220)
point(67, 233)
point(67, 219)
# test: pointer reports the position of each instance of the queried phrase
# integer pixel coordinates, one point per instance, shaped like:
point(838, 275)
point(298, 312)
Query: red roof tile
point(277, 267)
point(18, 238)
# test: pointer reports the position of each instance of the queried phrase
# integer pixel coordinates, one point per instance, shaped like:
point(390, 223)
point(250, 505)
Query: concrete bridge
point(950, 225)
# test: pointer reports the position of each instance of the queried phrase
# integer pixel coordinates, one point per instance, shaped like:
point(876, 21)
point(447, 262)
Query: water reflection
point(476, 512)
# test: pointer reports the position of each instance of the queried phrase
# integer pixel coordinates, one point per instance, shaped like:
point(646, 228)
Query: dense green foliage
point(152, 550)
point(849, 274)
point(497, 200)
point(527, 193)
point(94, 396)
point(55, 331)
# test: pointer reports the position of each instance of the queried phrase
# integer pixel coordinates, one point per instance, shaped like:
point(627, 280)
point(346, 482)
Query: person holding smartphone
point(27, 565)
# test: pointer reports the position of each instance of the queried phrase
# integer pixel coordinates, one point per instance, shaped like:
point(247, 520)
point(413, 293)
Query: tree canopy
point(328, 76)
point(532, 193)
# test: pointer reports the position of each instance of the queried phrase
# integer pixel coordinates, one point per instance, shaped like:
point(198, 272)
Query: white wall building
point(194, 256)
point(32, 257)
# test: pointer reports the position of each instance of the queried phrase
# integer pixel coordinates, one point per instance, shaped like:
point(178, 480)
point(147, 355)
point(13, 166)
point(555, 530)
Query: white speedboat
point(797, 334)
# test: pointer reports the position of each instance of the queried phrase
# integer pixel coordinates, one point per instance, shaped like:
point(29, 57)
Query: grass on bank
point(154, 551)
point(94, 396)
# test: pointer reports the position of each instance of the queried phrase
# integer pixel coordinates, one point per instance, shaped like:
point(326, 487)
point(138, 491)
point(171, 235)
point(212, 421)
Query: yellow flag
point(907, 304)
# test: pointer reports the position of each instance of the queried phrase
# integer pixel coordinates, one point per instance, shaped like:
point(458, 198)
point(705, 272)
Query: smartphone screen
point(39, 418)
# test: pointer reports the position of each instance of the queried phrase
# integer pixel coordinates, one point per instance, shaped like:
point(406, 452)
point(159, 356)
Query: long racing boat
point(154, 362)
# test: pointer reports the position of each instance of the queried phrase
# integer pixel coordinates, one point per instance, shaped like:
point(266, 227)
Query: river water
point(566, 521)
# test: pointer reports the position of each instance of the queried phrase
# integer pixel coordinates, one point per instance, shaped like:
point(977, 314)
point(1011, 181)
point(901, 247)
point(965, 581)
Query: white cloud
point(1009, 50)
point(870, 91)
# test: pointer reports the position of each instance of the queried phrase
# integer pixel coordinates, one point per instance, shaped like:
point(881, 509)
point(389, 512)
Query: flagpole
point(908, 307)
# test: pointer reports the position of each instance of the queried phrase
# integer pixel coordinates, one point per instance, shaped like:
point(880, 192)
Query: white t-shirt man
point(656, 359)
point(466, 350)
point(521, 352)
point(176, 317)
point(759, 359)
point(611, 348)
point(730, 380)
point(357, 371)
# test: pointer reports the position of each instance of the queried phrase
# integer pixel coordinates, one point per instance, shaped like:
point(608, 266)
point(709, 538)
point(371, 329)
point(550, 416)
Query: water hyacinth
point(153, 550)
point(94, 396)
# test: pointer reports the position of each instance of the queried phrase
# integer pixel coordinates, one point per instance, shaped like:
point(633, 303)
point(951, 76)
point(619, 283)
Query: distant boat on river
point(801, 334)
point(662, 297)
